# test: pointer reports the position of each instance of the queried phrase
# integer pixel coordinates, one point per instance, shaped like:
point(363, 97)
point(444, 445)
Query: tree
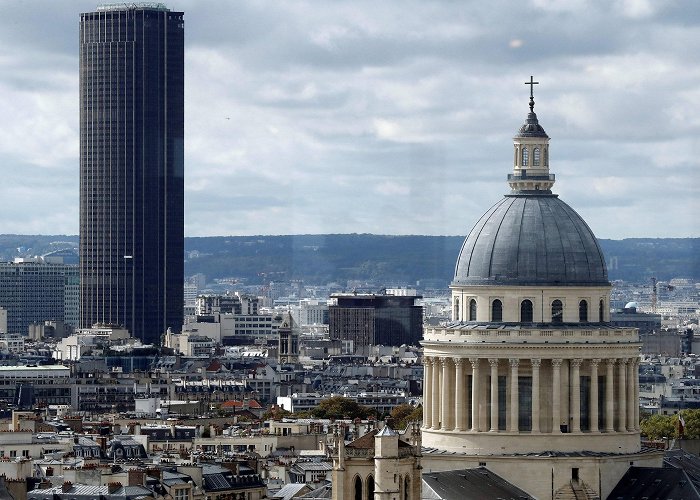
point(403, 414)
point(275, 413)
point(339, 407)
point(659, 426)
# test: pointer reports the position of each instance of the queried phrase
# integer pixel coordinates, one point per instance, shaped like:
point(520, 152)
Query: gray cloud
point(384, 117)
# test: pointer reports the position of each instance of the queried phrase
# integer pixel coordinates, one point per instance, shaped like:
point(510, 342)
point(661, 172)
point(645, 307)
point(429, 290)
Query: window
point(557, 311)
point(456, 309)
point(536, 157)
point(526, 311)
point(601, 316)
point(525, 157)
point(496, 310)
point(583, 311)
point(472, 310)
point(546, 158)
point(358, 488)
point(370, 486)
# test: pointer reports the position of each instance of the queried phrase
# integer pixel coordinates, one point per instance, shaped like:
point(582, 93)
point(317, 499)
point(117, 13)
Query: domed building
point(529, 379)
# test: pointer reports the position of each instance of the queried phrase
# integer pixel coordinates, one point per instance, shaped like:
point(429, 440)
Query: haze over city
point(380, 117)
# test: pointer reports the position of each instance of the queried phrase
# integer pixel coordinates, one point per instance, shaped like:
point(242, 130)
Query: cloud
point(386, 117)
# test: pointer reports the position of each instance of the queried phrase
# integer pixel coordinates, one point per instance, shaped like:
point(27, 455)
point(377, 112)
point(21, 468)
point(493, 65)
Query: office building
point(530, 379)
point(131, 168)
point(372, 319)
point(33, 290)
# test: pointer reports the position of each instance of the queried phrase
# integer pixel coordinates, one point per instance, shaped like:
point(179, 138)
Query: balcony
point(525, 177)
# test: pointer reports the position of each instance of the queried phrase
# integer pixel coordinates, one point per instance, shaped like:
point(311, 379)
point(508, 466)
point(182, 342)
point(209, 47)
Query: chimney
point(113, 487)
point(66, 487)
point(137, 477)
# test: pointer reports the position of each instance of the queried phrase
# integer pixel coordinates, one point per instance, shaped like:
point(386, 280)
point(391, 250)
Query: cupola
point(531, 154)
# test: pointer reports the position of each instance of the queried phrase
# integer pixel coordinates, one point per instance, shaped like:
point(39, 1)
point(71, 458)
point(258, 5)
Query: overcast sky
point(387, 117)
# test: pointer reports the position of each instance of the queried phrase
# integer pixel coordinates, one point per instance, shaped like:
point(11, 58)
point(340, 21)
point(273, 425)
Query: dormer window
point(536, 157)
point(525, 157)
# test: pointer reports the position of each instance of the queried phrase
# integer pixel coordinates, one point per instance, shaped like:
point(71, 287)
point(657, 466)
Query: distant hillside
point(319, 259)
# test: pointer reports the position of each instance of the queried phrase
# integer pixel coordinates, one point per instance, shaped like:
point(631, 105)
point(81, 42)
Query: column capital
point(576, 362)
point(556, 363)
point(622, 361)
point(493, 362)
point(427, 360)
point(458, 361)
point(514, 362)
point(444, 361)
point(595, 362)
point(475, 362)
point(611, 361)
point(536, 362)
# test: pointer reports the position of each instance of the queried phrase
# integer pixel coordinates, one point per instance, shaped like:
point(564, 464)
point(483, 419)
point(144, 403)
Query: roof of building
point(467, 484)
point(364, 442)
point(531, 239)
point(289, 491)
point(658, 483)
point(686, 461)
point(322, 492)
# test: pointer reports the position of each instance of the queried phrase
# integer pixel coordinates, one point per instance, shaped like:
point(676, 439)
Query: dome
point(531, 239)
point(531, 127)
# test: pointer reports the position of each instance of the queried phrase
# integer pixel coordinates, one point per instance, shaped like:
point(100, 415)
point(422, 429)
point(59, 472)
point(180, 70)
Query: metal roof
point(531, 239)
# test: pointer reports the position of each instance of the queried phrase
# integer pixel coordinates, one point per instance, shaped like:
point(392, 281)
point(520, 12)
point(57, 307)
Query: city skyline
point(380, 118)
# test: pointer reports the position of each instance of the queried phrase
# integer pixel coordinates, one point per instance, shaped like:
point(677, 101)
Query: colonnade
point(463, 394)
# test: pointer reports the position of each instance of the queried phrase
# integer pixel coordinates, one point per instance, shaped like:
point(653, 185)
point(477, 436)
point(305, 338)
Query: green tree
point(339, 407)
point(275, 413)
point(659, 426)
point(403, 414)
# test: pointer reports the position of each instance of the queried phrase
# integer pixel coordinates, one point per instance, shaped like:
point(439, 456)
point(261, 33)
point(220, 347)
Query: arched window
point(526, 311)
point(525, 157)
point(406, 486)
point(370, 486)
point(472, 310)
point(601, 314)
point(546, 157)
point(536, 157)
point(557, 311)
point(456, 309)
point(358, 488)
point(583, 311)
point(496, 310)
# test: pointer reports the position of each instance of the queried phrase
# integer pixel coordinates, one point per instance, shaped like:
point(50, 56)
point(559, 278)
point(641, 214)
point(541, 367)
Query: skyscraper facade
point(131, 168)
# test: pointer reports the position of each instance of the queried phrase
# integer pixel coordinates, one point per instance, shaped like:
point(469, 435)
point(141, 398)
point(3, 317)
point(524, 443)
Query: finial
point(532, 83)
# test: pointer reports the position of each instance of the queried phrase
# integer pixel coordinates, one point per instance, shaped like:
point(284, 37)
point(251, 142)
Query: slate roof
point(321, 493)
point(683, 460)
point(531, 239)
point(664, 483)
point(469, 484)
point(289, 491)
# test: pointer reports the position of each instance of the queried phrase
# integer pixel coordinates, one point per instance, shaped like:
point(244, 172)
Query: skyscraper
point(131, 168)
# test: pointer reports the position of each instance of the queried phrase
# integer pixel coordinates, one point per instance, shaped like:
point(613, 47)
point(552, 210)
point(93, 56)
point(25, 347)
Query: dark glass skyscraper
point(131, 168)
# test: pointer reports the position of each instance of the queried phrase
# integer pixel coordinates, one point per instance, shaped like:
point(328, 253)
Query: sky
point(385, 117)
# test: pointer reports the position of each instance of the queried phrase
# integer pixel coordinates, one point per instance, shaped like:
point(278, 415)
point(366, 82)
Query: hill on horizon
point(388, 259)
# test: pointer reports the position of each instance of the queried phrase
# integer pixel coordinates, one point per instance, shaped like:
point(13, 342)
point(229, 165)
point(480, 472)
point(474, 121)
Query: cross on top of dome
point(532, 83)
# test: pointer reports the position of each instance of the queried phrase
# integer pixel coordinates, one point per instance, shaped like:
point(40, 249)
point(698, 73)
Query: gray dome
point(531, 239)
point(531, 127)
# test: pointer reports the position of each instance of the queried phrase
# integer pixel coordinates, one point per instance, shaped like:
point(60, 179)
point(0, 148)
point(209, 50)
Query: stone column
point(593, 403)
point(622, 397)
point(576, 395)
point(535, 394)
point(556, 396)
point(514, 403)
point(609, 396)
point(460, 414)
point(494, 395)
point(445, 397)
point(436, 394)
point(427, 392)
point(636, 394)
point(475, 393)
point(632, 379)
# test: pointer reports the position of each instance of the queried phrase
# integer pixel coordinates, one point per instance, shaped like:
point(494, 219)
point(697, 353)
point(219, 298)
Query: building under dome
point(530, 379)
